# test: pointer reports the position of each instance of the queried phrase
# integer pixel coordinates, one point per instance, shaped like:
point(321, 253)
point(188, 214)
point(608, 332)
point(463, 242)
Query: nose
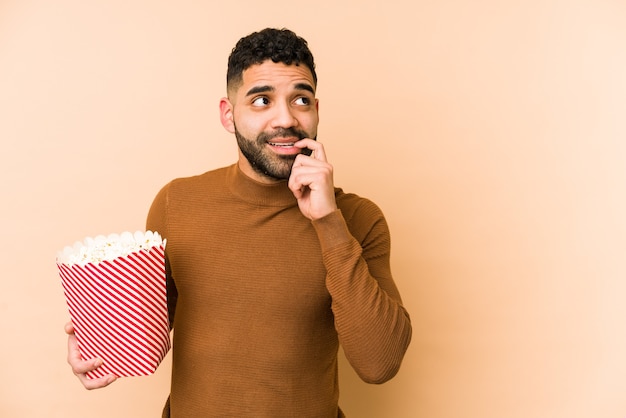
point(284, 116)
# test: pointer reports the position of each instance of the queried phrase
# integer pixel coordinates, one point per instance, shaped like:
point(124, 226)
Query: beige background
point(491, 133)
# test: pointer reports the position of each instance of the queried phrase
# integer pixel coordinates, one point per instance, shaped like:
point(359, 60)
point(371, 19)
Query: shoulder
point(185, 196)
point(363, 217)
point(195, 187)
point(215, 177)
point(355, 206)
point(184, 190)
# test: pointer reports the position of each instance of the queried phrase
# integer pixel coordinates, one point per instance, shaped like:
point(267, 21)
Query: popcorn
point(115, 288)
point(100, 248)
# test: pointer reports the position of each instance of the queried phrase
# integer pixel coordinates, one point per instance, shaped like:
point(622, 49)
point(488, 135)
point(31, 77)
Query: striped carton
point(119, 311)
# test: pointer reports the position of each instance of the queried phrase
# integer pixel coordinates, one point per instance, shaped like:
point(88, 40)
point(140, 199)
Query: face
point(274, 107)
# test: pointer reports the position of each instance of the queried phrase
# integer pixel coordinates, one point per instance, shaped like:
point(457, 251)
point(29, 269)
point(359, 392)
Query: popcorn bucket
point(115, 289)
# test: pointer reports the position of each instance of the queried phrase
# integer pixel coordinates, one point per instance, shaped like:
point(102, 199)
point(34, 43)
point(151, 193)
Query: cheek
point(248, 125)
point(309, 124)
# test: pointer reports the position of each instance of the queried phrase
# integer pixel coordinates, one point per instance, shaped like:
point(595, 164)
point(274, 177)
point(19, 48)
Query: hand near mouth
point(311, 181)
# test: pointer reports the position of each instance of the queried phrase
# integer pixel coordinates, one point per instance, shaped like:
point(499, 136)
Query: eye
point(261, 101)
point(303, 101)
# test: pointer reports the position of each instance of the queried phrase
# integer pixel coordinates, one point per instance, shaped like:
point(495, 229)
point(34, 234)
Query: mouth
point(284, 146)
point(281, 144)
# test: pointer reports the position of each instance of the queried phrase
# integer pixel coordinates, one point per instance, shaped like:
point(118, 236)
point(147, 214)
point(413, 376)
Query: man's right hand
point(81, 367)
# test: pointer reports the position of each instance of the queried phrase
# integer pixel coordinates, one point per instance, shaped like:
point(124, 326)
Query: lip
point(284, 146)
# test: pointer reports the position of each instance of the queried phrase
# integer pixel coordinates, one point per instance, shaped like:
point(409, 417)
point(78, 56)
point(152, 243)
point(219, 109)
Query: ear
point(226, 115)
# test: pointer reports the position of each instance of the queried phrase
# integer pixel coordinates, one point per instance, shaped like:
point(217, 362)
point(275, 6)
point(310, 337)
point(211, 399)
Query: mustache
point(282, 133)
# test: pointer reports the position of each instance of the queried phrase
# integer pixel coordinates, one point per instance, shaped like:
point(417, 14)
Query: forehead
point(276, 75)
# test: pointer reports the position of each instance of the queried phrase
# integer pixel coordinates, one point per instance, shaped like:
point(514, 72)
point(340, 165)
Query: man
point(269, 265)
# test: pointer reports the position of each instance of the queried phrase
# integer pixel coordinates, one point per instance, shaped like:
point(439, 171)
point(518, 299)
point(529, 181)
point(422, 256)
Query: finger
point(312, 168)
point(74, 358)
point(318, 149)
point(99, 382)
point(79, 366)
point(305, 181)
point(295, 181)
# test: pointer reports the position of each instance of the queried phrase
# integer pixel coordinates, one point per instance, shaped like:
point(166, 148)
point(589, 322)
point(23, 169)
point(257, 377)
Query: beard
point(264, 161)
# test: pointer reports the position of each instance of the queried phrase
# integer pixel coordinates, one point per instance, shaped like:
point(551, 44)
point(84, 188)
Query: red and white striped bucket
point(119, 311)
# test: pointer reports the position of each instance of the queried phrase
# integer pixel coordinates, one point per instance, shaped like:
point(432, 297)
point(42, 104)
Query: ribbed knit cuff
point(332, 230)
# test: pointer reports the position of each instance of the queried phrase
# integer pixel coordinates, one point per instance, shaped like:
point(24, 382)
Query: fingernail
point(98, 362)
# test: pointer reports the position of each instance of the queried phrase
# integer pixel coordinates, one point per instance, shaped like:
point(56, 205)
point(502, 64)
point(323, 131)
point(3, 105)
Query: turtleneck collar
point(255, 192)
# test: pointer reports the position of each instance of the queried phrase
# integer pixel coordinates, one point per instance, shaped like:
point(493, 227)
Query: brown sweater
point(260, 298)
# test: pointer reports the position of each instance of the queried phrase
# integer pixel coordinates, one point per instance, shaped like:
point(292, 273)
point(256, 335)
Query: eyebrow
point(265, 89)
point(305, 86)
point(259, 89)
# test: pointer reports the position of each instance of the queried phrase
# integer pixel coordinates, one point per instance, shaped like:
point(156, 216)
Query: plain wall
point(491, 134)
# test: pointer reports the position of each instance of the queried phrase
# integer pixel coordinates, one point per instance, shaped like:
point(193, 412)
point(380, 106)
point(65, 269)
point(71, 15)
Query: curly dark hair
point(279, 45)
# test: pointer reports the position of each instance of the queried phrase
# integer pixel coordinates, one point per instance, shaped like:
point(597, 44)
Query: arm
point(157, 221)
point(374, 328)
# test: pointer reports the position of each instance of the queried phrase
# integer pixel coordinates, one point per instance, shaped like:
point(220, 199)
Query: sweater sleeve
point(157, 221)
point(373, 326)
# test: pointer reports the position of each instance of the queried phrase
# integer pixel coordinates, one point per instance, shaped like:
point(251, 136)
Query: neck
point(247, 188)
